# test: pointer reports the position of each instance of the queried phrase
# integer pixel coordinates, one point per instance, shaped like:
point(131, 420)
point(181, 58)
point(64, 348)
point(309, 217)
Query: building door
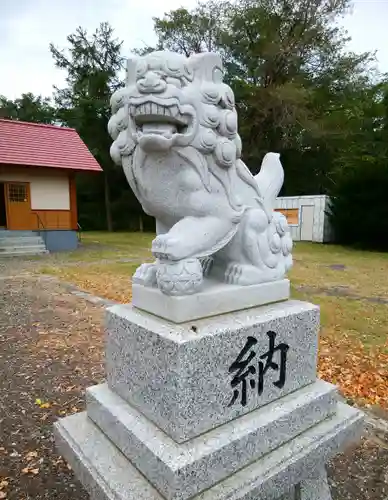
point(307, 223)
point(3, 209)
point(18, 205)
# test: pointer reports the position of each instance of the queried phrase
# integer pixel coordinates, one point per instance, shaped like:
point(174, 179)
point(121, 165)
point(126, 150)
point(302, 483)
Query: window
point(17, 193)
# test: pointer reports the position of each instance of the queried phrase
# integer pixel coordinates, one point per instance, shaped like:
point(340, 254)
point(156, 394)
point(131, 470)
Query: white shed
point(307, 216)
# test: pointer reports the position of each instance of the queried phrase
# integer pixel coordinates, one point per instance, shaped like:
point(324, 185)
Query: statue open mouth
point(160, 123)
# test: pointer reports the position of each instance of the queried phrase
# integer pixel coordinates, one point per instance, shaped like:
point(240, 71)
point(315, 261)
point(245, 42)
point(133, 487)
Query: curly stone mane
point(216, 146)
point(175, 132)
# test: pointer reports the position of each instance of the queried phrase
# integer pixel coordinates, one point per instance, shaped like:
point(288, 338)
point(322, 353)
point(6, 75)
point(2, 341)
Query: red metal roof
point(35, 144)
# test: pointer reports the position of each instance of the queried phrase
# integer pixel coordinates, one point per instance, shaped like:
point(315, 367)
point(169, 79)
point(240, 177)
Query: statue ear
point(131, 70)
point(206, 66)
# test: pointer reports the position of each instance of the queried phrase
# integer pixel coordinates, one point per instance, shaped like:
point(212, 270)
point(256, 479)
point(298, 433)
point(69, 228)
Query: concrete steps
point(6, 233)
point(15, 241)
point(20, 243)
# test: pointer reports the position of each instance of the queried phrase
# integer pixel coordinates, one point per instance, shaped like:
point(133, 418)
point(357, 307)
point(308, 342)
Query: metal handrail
point(40, 223)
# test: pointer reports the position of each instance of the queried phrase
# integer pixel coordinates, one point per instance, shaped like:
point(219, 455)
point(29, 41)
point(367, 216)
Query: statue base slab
point(215, 298)
point(292, 471)
point(181, 470)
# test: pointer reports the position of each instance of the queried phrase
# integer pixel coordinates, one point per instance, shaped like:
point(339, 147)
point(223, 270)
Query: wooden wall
point(73, 203)
point(60, 219)
point(37, 217)
point(292, 214)
point(52, 219)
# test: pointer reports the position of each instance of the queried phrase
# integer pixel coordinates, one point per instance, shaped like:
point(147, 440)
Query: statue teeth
point(151, 108)
point(174, 110)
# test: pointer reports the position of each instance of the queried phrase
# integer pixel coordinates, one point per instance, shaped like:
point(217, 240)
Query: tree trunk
point(108, 211)
point(141, 226)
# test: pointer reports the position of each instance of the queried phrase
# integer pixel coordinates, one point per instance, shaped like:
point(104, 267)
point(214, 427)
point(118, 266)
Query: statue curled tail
point(261, 249)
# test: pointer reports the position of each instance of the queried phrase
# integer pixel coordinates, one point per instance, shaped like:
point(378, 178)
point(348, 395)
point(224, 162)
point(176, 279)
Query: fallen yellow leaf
point(28, 470)
point(31, 454)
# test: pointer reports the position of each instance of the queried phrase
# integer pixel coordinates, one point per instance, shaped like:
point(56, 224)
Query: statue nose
point(151, 83)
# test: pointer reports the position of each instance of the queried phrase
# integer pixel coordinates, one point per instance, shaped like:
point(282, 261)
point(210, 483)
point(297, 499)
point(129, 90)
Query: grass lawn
point(104, 264)
point(350, 286)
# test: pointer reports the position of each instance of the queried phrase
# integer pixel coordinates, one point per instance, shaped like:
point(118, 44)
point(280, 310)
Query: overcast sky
point(28, 26)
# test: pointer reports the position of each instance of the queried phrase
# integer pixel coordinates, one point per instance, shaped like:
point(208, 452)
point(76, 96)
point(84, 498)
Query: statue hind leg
point(259, 252)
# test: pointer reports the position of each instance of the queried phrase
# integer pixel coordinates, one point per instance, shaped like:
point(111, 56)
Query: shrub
point(360, 206)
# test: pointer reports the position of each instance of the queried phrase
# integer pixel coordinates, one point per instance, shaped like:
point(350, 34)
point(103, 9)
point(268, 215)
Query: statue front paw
point(166, 247)
point(182, 277)
point(145, 275)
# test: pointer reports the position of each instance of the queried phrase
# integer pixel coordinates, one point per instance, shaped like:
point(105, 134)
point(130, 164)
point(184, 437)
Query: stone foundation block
point(107, 474)
point(180, 471)
point(192, 377)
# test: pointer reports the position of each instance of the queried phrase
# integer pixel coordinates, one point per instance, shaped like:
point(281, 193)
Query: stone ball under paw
point(183, 277)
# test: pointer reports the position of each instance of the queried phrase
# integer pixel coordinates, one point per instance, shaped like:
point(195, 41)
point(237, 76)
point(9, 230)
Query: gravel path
point(51, 349)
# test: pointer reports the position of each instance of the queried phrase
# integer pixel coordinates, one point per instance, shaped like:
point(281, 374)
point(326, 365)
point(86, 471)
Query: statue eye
point(174, 81)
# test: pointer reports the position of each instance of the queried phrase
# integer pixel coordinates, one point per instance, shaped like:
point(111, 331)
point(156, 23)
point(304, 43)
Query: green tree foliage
point(286, 62)
point(298, 91)
point(301, 93)
point(359, 199)
point(190, 32)
point(359, 205)
point(28, 108)
point(94, 67)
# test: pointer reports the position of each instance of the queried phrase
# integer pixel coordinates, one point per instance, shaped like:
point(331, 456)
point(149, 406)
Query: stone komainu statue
point(174, 127)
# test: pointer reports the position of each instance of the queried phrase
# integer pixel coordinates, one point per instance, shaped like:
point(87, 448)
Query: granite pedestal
point(178, 375)
point(220, 408)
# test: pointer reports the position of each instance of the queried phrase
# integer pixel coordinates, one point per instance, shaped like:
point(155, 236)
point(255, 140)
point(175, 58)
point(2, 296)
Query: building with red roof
point(38, 164)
